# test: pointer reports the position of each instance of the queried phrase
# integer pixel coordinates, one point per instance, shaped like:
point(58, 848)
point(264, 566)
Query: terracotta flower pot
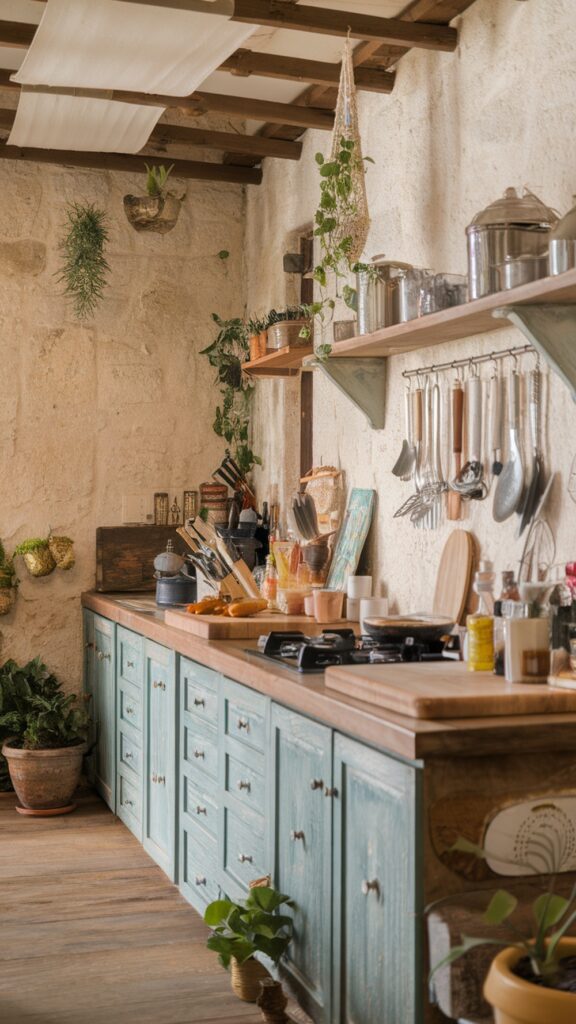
point(262, 344)
point(516, 1001)
point(44, 780)
point(153, 213)
point(254, 343)
point(245, 979)
point(62, 551)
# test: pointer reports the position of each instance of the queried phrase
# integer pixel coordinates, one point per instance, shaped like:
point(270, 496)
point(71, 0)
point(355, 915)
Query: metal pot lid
point(381, 261)
point(514, 209)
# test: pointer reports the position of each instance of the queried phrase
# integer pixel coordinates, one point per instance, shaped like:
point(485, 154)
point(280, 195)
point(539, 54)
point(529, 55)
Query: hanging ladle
point(469, 482)
point(404, 465)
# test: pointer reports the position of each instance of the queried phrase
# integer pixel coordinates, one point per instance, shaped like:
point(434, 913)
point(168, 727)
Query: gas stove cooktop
point(341, 647)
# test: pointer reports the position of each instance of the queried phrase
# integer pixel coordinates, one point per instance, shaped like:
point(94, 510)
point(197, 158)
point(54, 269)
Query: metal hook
point(513, 356)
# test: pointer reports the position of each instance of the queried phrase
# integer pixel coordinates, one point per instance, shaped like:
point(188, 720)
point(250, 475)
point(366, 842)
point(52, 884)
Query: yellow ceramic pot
point(516, 1001)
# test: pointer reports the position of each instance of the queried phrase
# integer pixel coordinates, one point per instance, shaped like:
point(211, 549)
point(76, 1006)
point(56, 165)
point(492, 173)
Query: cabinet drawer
point(129, 799)
point(199, 804)
point(129, 706)
point(199, 869)
point(129, 754)
point(243, 849)
point(244, 783)
point(201, 701)
point(130, 656)
point(200, 747)
point(245, 714)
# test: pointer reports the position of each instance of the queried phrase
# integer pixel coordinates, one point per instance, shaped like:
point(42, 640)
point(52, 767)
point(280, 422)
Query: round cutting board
point(454, 576)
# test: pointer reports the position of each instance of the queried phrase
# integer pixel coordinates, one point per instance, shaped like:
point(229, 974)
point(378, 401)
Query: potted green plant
point(85, 268)
point(159, 209)
point(290, 326)
point(241, 930)
point(257, 337)
point(44, 732)
point(533, 979)
point(37, 556)
point(8, 582)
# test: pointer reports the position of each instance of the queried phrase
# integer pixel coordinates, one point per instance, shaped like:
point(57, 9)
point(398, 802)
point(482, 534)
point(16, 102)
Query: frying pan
point(396, 628)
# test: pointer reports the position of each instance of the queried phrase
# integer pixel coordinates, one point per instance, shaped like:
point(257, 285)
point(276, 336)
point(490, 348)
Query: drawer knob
point(199, 753)
point(243, 723)
point(129, 709)
point(245, 858)
point(200, 880)
point(158, 685)
point(200, 810)
point(317, 784)
point(88, 645)
point(330, 792)
point(102, 656)
point(368, 887)
point(128, 755)
point(296, 834)
point(161, 780)
point(199, 702)
point(128, 803)
point(244, 785)
point(154, 777)
point(130, 664)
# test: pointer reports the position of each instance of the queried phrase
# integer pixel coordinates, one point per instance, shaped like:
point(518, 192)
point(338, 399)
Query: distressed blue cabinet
point(88, 686)
point(376, 968)
point(159, 818)
point(301, 817)
point(104, 709)
point(129, 729)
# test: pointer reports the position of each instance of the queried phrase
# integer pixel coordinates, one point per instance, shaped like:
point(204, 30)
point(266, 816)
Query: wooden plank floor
point(92, 932)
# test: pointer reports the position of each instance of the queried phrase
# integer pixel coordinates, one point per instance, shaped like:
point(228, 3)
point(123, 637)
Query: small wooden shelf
point(284, 362)
point(474, 317)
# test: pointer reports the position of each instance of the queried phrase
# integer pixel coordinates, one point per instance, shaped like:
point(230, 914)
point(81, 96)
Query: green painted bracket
point(552, 330)
point(362, 380)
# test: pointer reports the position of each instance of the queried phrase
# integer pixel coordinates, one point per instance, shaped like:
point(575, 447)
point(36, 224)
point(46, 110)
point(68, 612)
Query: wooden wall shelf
point(284, 362)
point(464, 321)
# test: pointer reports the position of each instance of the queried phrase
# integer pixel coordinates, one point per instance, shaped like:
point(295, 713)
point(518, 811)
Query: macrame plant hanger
point(356, 223)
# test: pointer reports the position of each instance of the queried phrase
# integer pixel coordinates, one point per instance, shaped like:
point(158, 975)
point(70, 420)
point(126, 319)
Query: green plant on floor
point(156, 178)
point(337, 208)
point(552, 916)
point(226, 354)
point(250, 926)
point(85, 268)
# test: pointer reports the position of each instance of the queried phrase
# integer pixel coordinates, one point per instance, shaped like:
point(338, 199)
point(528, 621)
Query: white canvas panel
point(107, 44)
point(48, 121)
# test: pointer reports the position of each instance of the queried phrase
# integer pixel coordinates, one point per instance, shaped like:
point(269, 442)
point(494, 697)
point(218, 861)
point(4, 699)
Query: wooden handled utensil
point(229, 585)
point(237, 565)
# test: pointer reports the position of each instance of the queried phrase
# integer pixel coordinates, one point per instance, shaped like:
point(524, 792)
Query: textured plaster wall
point(457, 131)
point(123, 404)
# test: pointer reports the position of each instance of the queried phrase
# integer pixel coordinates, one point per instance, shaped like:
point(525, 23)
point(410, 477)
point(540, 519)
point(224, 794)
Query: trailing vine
point(85, 268)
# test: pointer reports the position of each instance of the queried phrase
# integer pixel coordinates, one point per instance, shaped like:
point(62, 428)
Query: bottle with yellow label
point(481, 623)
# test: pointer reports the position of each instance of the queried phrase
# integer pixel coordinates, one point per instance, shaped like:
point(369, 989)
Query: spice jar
point(527, 637)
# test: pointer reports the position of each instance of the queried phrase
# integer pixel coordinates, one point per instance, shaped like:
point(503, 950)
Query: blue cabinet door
point(88, 686)
point(160, 756)
point(302, 843)
point(376, 970)
point(104, 709)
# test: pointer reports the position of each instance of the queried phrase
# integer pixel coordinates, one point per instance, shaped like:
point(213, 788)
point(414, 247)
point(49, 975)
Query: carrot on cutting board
point(251, 606)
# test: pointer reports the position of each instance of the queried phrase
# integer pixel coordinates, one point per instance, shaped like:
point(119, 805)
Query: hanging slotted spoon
point(510, 484)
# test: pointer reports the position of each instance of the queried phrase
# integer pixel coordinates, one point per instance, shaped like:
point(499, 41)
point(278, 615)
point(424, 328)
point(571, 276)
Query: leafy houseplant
point(240, 930)
point(290, 326)
point(85, 268)
point(159, 209)
point(534, 978)
point(44, 732)
point(232, 420)
point(37, 556)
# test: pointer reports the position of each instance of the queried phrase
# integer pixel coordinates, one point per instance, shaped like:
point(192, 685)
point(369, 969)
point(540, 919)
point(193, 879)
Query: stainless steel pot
point(522, 270)
point(512, 227)
point(563, 243)
point(388, 293)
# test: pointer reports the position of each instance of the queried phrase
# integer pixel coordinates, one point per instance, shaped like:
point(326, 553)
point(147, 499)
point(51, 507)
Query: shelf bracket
point(551, 328)
point(362, 380)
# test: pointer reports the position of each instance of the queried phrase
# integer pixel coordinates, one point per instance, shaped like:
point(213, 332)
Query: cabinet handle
point(130, 664)
point(245, 858)
point(102, 656)
point(129, 709)
point(297, 834)
point(128, 803)
point(245, 785)
point(243, 723)
point(199, 702)
point(317, 784)
point(368, 887)
point(161, 780)
point(200, 880)
point(128, 755)
point(199, 753)
point(200, 810)
point(154, 777)
point(159, 685)
point(330, 792)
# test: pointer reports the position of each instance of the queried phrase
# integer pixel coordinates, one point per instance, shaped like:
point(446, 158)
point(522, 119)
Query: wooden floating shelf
point(464, 321)
point(283, 362)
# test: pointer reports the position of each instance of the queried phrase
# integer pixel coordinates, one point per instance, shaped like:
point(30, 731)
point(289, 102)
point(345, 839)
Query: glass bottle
point(509, 593)
point(270, 582)
point(481, 623)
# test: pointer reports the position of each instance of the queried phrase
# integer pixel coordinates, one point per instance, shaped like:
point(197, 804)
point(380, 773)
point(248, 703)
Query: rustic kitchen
point(287, 543)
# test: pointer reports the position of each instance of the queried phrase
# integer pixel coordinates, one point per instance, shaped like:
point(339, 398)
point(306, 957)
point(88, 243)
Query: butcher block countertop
point(503, 719)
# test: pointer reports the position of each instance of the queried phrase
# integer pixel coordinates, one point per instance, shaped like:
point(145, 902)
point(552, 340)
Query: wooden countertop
point(406, 736)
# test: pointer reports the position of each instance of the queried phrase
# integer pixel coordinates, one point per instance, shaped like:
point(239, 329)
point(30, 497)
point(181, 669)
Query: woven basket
point(39, 562)
point(7, 599)
point(245, 979)
point(62, 551)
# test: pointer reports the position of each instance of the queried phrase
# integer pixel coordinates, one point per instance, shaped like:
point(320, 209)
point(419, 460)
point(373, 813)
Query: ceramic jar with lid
point(510, 229)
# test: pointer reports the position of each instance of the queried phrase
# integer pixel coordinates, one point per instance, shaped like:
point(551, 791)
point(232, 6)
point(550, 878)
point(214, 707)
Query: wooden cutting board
point(125, 556)
point(454, 576)
point(445, 690)
point(220, 627)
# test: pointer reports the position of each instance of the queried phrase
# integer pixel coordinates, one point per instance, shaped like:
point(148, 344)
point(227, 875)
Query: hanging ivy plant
point(226, 354)
point(85, 268)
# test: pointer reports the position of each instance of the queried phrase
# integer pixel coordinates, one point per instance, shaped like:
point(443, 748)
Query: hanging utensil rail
point(454, 364)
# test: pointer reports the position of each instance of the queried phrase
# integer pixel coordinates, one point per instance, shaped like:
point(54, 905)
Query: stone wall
point(457, 130)
point(123, 404)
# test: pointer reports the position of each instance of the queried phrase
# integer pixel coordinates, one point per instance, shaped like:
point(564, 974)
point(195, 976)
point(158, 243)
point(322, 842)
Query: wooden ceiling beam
point(244, 63)
point(17, 33)
point(394, 31)
point(201, 171)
